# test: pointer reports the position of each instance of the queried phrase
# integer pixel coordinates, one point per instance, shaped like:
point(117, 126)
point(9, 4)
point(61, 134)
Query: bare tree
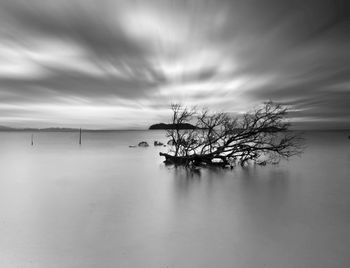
point(262, 136)
point(180, 137)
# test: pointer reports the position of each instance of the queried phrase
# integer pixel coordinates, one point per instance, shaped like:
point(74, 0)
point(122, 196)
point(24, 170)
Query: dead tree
point(220, 139)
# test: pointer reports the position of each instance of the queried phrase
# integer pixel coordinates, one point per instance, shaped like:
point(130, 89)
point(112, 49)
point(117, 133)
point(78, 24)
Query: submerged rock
point(143, 144)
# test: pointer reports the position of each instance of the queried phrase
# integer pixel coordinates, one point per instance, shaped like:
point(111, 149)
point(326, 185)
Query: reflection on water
point(104, 204)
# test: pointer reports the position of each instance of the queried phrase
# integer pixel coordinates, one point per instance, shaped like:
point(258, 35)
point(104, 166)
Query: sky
point(120, 64)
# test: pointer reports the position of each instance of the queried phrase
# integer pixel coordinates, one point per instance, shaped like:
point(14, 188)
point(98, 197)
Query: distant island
point(172, 126)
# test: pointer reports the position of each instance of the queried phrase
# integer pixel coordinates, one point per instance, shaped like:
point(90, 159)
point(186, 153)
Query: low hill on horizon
point(172, 126)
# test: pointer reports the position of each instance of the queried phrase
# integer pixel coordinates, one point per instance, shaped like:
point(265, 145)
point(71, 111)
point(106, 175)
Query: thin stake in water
point(32, 140)
point(80, 136)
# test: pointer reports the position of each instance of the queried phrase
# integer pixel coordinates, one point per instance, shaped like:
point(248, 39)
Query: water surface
point(104, 204)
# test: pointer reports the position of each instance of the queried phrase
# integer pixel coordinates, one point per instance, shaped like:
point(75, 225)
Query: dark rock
point(143, 144)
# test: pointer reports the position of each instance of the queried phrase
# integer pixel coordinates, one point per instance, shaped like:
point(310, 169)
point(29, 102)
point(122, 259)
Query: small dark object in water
point(158, 143)
point(132, 146)
point(143, 144)
point(262, 163)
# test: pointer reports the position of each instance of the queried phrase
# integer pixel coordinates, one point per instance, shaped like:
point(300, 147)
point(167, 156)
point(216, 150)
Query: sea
point(105, 204)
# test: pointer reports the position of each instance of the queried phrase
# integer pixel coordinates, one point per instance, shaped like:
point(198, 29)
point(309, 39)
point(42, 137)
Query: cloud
point(113, 63)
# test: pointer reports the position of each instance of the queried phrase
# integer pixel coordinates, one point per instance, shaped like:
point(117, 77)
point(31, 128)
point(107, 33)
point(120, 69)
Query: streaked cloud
point(119, 64)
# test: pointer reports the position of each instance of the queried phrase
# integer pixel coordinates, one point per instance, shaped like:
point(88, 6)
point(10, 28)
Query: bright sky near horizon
point(119, 64)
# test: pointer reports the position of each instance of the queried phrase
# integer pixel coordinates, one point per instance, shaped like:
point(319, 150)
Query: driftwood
point(158, 143)
point(195, 160)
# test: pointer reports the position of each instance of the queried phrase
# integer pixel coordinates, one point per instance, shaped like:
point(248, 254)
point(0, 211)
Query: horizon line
point(70, 129)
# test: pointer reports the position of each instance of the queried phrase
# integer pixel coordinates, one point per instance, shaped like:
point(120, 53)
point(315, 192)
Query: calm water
point(107, 205)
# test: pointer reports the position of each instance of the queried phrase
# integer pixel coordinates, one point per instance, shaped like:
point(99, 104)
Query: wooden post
point(32, 140)
point(80, 136)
